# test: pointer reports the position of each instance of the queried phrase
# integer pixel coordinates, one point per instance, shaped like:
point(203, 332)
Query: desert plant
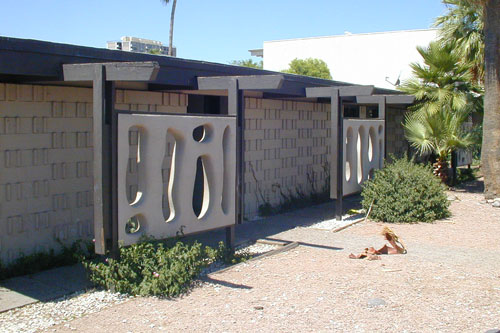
point(157, 268)
point(405, 192)
point(466, 175)
point(439, 133)
point(462, 26)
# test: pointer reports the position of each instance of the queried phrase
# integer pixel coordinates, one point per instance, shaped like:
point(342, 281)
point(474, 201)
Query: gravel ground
point(40, 316)
point(333, 224)
point(448, 282)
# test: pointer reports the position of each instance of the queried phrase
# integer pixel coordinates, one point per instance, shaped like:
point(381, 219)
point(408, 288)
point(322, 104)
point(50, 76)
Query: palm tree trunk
point(490, 152)
point(171, 36)
point(441, 169)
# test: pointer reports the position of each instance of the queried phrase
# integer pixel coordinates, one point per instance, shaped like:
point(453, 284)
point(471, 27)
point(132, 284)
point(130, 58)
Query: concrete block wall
point(46, 162)
point(46, 157)
point(396, 143)
point(286, 146)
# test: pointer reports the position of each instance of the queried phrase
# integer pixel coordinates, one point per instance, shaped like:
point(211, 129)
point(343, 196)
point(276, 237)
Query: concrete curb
point(284, 248)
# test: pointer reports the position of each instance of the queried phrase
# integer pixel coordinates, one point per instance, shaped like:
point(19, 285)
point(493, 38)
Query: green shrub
point(405, 192)
point(156, 268)
point(466, 175)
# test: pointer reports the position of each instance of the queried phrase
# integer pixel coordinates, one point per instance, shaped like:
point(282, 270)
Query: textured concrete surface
point(46, 162)
point(43, 286)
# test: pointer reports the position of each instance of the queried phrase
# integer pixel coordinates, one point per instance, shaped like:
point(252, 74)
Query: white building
point(140, 45)
point(378, 58)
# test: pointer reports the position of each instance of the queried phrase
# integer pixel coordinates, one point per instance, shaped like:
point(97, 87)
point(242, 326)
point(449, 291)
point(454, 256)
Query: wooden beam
point(251, 82)
point(400, 99)
point(344, 91)
point(389, 99)
point(374, 99)
point(115, 71)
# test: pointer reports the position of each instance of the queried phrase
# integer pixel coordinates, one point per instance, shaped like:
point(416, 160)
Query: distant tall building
point(140, 45)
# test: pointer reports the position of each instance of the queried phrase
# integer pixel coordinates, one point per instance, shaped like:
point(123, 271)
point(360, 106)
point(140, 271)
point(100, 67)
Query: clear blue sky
point(217, 31)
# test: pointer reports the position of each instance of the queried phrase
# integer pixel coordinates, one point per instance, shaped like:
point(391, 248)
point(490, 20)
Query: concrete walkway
point(58, 282)
point(42, 286)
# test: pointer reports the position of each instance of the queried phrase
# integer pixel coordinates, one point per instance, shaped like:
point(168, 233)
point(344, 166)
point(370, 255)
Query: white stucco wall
point(358, 58)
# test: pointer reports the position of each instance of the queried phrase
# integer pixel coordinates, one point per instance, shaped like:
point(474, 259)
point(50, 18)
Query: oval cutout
point(199, 133)
point(371, 142)
point(201, 189)
point(202, 133)
point(359, 153)
point(381, 154)
point(349, 154)
point(133, 184)
point(133, 225)
point(168, 174)
point(226, 146)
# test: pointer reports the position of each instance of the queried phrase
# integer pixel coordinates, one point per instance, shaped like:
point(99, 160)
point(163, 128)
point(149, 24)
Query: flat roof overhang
point(40, 62)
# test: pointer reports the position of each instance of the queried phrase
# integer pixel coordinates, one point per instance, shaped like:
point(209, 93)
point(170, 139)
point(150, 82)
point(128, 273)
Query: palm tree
point(463, 27)
point(490, 151)
point(474, 25)
point(440, 133)
point(171, 34)
point(442, 82)
point(445, 97)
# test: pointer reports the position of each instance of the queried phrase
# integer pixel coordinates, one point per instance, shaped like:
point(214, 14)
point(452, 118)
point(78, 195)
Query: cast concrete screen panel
point(215, 145)
point(363, 151)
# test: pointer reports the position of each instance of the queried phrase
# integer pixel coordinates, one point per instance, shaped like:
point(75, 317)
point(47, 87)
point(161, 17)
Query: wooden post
point(101, 151)
point(336, 110)
point(236, 108)
point(113, 115)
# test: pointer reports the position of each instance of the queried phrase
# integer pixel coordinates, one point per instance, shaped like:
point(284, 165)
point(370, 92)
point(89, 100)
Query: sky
point(216, 31)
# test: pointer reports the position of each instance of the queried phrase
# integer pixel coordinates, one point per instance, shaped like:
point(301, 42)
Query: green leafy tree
point(248, 63)
point(171, 34)
point(154, 51)
point(309, 67)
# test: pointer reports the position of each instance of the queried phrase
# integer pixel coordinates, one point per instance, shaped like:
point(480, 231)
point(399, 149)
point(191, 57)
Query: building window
point(351, 111)
point(372, 111)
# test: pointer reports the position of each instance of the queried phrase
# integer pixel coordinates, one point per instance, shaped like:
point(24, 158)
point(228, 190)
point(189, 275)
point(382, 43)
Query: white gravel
point(43, 315)
point(253, 250)
point(256, 249)
point(334, 224)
